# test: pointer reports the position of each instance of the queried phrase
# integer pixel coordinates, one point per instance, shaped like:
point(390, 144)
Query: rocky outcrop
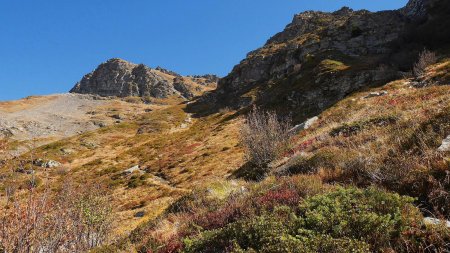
point(318, 59)
point(415, 9)
point(445, 147)
point(120, 78)
point(313, 60)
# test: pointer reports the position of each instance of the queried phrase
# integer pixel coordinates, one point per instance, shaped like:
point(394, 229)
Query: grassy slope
point(389, 141)
point(181, 154)
point(175, 151)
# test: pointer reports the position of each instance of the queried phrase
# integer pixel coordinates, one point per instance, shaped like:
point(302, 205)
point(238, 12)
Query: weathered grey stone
point(376, 94)
point(415, 9)
point(46, 164)
point(51, 164)
point(120, 78)
point(436, 222)
point(305, 125)
point(182, 87)
point(445, 147)
point(133, 169)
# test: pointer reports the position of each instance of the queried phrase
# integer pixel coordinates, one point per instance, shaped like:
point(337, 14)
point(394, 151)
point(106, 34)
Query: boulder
point(46, 164)
point(51, 164)
point(305, 125)
point(445, 147)
point(132, 170)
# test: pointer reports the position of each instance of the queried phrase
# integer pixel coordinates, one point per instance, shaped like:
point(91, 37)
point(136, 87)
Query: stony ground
point(48, 118)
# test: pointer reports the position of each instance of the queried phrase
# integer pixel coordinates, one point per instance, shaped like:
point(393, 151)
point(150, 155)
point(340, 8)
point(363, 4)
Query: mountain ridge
point(319, 58)
point(120, 78)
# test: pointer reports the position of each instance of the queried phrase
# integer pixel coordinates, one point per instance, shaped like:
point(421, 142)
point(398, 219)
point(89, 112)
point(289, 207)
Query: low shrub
point(343, 220)
point(370, 215)
point(426, 58)
point(264, 137)
point(355, 127)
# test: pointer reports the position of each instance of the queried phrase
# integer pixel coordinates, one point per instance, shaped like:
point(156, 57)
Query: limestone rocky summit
point(120, 78)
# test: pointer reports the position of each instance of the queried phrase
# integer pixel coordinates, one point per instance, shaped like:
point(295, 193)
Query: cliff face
point(120, 78)
point(320, 58)
point(415, 8)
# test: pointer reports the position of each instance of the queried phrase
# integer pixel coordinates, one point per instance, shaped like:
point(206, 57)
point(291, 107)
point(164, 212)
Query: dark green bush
point(372, 215)
point(345, 220)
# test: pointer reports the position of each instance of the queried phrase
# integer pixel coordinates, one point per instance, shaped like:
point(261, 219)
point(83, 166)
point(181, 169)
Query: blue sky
point(46, 46)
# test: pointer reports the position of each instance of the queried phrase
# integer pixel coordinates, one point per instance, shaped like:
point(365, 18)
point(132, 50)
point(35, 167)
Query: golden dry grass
point(177, 152)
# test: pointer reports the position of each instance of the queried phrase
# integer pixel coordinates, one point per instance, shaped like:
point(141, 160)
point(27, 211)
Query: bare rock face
point(319, 59)
point(313, 58)
point(120, 78)
point(416, 8)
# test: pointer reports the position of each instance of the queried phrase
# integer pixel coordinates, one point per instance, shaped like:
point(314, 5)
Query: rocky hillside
point(320, 58)
point(120, 78)
point(369, 173)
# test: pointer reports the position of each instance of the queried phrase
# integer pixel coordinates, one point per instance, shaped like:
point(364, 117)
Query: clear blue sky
point(46, 46)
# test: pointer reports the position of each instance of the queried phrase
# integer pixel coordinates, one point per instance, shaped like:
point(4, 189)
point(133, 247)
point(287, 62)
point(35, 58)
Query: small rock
point(46, 164)
point(99, 124)
point(435, 222)
point(132, 170)
point(116, 116)
point(445, 147)
point(139, 214)
point(51, 164)
point(310, 122)
point(67, 151)
point(243, 190)
point(305, 125)
point(38, 162)
point(376, 94)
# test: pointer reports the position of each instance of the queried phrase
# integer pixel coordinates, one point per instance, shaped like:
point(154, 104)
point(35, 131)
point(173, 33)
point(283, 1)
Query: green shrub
point(344, 220)
point(372, 215)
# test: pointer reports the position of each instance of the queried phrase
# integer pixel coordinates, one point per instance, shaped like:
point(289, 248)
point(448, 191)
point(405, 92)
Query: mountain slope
point(370, 174)
point(384, 140)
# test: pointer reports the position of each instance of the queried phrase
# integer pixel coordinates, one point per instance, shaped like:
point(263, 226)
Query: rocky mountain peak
point(320, 57)
point(343, 11)
point(120, 78)
point(415, 8)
